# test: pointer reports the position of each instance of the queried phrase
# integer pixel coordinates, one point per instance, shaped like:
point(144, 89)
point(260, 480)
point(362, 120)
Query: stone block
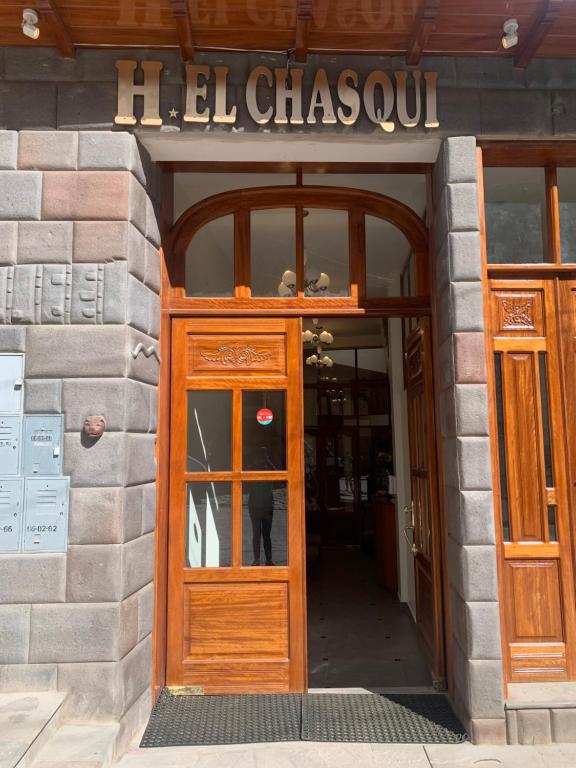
point(141, 367)
point(64, 351)
point(483, 630)
point(152, 268)
point(474, 461)
point(448, 412)
point(534, 726)
point(28, 677)
point(26, 294)
point(100, 463)
point(488, 731)
point(105, 150)
point(6, 292)
point(152, 219)
point(8, 242)
point(115, 299)
point(94, 573)
point(462, 207)
point(140, 459)
point(87, 289)
point(33, 578)
point(443, 302)
point(469, 358)
point(128, 625)
point(471, 516)
point(133, 721)
point(56, 293)
point(511, 727)
point(74, 632)
point(460, 109)
point(100, 241)
point(473, 572)
point(148, 507)
point(447, 363)
point(93, 690)
point(154, 314)
point(153, 422)
point(48, 150)
point(96, 516)
point(465, 256)
point(30, 105)
point(86, 195)
point(87, 106)
point(442, 270)
point(12, 339)
point(20, 195)
point(136, 671)
point(137, 204)
point(145, 611)
point(137, 406)
point(138, 308)
point(137, 249)
point(528, 111)
point(138, 564)
point(82, 397)
point(489, 73)
point(132, 512)
point(43, 396)
point(8, 150)
point(467, 306)
point(31, 64)
point(40, 242)
point(14, 633)
point(485, 689)
point(451, 463)
point(460, 161)
point(563, 725)
point(472, 409)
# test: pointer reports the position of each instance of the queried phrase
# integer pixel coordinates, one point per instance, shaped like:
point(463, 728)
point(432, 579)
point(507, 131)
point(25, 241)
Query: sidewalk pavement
point(339, 755)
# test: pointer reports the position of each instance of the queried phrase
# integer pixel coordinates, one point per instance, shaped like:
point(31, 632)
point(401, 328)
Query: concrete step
point(27, 722)
point(79, 746)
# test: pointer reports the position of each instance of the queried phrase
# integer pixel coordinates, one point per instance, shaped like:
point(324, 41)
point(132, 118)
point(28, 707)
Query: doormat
point(248, 719)
point(391, 718)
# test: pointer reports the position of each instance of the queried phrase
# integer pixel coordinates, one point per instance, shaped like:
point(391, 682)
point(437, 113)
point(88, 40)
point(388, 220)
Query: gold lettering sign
point(389, 100)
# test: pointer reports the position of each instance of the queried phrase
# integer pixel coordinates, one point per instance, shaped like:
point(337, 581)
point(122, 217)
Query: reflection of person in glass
point(261, 508)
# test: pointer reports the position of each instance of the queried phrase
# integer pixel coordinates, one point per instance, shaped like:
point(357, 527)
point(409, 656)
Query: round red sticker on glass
point(264, 416)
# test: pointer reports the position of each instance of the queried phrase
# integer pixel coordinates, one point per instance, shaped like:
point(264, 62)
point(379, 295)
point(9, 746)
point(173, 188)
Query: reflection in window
point(209, 431)
point(208, 525)
point(264, 523)
point(502, 447)
point(263, 430)
point(210, 260)
point(515, 202)
point(567, 202)
point(387, 253)
point(326, 253)
point(273, 245)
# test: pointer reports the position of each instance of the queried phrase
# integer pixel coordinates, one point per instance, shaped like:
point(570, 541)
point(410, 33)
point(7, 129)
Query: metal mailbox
point(10, 435)
point(11, 508)
point(11, 383)
point(45, 514)
point(42, 445)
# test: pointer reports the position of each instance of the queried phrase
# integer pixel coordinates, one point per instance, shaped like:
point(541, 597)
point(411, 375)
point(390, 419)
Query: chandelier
point(318, 337)
point(315, 282)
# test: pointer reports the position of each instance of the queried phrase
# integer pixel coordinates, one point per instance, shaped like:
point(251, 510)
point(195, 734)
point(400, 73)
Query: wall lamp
point(30, 23)
point(510, 36)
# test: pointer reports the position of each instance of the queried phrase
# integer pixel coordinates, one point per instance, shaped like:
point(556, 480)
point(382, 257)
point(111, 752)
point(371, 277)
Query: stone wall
point(475, 646)
point(79, 285)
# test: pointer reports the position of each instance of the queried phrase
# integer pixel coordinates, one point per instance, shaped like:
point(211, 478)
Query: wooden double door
point(236, 576)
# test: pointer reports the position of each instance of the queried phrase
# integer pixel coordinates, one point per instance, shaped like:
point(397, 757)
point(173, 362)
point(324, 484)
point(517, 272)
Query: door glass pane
point(326, 253)
point(264, 523)
point(567, 200)
point(210, 260)
point(209, 431)
point(263, 430)
point(387, 254)
point(515, 202)
point(273, 244)
point(208, 525)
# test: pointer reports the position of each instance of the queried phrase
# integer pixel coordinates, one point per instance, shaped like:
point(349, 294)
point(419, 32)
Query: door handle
point(409, 510)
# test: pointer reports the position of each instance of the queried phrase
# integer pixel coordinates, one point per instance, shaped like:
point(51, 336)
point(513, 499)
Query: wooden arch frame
point(240, 203)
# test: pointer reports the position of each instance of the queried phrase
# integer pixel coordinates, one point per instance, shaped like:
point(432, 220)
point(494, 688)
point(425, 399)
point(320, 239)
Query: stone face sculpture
point(94, 426)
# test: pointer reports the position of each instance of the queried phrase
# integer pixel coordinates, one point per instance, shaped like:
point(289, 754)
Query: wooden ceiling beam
point(533, 39)
point(423, 25)
point(303, 19)
point(181, 14)
point(53, 22)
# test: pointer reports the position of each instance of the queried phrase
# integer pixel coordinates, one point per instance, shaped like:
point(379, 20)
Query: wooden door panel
point(236, 626)
point(535, 604)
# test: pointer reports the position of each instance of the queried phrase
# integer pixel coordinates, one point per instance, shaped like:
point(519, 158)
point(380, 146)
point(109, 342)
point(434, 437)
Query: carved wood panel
point(238, 353)
point(518, 313)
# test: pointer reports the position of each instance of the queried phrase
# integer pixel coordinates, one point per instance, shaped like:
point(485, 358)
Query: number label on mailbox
point(45, 514)
point(11, 493)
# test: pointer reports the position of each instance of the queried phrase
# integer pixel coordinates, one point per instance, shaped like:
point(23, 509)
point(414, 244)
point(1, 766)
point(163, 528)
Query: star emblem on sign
point(173, 113)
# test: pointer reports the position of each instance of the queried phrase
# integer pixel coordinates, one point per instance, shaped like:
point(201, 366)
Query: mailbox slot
point(45, 514)
point(42, 445)
point(11, 512)
point(10, 438)
point(11, 383)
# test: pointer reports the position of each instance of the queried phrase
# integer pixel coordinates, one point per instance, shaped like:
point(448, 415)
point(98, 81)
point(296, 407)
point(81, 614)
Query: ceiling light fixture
point(510, 36)
point(318, 337)
point(30, 23)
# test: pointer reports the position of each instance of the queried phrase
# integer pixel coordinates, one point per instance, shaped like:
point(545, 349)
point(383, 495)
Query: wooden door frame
point(403, 307)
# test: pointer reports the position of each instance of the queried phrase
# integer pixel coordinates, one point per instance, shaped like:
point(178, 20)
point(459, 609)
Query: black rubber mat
point(395, 718)
point(194, 720)
point(391, 718)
